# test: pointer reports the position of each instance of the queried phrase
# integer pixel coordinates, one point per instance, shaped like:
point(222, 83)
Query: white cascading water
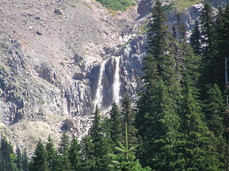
point(116, 84)
point(99, 92)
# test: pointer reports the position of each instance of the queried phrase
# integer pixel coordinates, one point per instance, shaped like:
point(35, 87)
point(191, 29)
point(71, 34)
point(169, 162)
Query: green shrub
point(183, 4)
point(116, 4)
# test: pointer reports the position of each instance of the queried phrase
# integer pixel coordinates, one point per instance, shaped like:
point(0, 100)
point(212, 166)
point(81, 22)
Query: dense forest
point(180, 121)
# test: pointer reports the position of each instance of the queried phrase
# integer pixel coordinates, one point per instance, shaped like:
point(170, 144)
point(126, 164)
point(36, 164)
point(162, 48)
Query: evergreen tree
point(75, 157)
point(214, 109)
point(207, 42)
point(87, 153)
point(8, 158)
point(96, 146)
point(125, 159)
point(52, 157)
point(198, 145)
point(64, 144)
point(39, 161)
point(19, 159)
point(195, 39)
point(220, 51)
point(206, 21)
point(25, 161)
point(157, 120)
point(181, 29)
point(63, 151)
point(115, 122)
point(101, 145)
point(128, 115)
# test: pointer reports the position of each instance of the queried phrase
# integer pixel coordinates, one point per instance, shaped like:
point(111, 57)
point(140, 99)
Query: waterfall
point(99, 92)
point(116, 84)
point(110, 89)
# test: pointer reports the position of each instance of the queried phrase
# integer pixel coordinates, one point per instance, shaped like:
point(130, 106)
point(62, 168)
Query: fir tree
point(64, 144)
point(52, 158)
point(75, 157)
point(19, 159)
point(25, 161)
point(87, 153)
point(197, 148)
point(8, 158)
point(128, 115)
point(99, 145)
point(63, 151)
point(115, 124)
point(207, 33)
point(195, 39)
point(214, 109)
point(157, 106)
point(220, 51)
point(206, 21)
point(124, 159)
point(39, 162)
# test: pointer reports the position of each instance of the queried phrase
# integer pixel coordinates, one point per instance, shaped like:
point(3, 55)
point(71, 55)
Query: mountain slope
point(51, 53)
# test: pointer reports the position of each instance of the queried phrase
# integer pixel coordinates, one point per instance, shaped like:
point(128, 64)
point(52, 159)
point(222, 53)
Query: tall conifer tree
point(115, 122)
point(156, 120)
point(128, 115)
point(54, 161)
point(19, 159)
point(39, 162)
point(75, 156)
point(99, 145)
point(25, 161)
point(198, 146)
point(64, 152)
point(195, 39)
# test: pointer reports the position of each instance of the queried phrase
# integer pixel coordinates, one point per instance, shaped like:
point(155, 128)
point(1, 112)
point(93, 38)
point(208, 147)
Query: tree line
point(180, 121)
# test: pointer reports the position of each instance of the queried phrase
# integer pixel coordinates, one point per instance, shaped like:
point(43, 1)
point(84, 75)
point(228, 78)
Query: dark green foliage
point(214, 110)
point(39, 162)
point(87, 153)
point(157, 107)
point(206, 21)
point(214, 114)
point(52, 157)
point(220, 51)
point(198, 146)
point(25, 161)
point(181, 29)
point(183, 140)
point(19, 159)
point(8, 160)
point(224, 42)
point(64, 152)
point(116, 4)
point(128, 115)
point(64, 144)
point(96, 146)
point(115, 122)
point(124, 159)
point(95, 130)
point(75, 157)
point(207, 48)
point(195, 39)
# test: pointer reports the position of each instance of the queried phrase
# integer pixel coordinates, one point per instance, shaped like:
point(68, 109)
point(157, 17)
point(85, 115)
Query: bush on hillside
point(116, 4)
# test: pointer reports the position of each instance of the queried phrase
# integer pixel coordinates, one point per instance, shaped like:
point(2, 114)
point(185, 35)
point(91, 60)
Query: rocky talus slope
point(59, 58)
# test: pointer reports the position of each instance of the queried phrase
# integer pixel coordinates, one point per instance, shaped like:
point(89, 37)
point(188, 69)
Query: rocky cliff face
point(60, 58)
